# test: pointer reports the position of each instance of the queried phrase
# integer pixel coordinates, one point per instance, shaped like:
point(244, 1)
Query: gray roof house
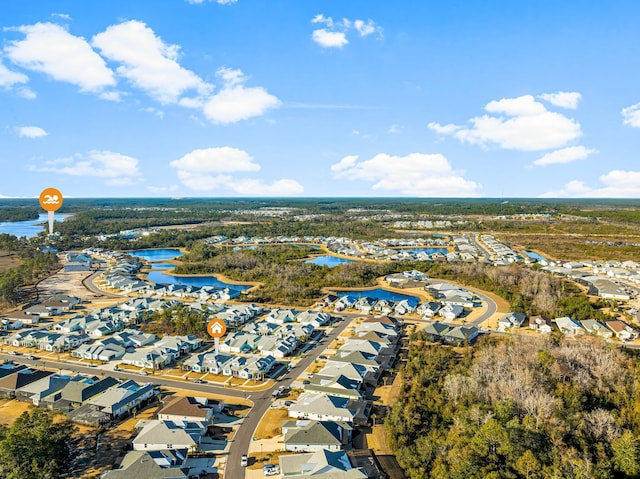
point(156, 435)
point(305, 435)
point(162, 464)
point(12, 382)
point(41, 388)
point(511, 320)
point(322, 464)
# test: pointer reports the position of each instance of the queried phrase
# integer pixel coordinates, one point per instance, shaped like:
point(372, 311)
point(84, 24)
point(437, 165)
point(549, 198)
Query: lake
point(30, 228)
point(156, 254)
point(328, 260)
point(159, 277)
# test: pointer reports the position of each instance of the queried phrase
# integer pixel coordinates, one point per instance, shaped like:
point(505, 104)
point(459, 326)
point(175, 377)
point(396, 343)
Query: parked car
point(199, 381)
point(244, 461)
point(270, 469)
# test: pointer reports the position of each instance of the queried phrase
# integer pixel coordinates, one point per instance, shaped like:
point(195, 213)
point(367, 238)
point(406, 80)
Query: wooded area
point(512, 408)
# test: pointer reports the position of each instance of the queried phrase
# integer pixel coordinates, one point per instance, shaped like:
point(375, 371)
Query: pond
point(162, 265)
point(379, 293)
point(156, 254)
point(534, 255)
point(29, 228)
point(328, 260)
point(159, 277)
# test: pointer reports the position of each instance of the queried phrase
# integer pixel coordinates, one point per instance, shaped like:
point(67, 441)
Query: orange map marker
point(50, 201)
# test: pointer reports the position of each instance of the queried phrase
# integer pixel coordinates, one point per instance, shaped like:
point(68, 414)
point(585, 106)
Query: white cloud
point(395, 129)
point(615, 184)
point(64, 16)
point(328, 39)
point(344, 163)
point(565, 155)
point(525, 124)
point(366, 28)
point(31, 132)
point(563, 99)
point(48, 48)
point(443, 129)
point(115, 168)
point(148, 62)
point(631, 115)
point(208, 170)
point(235, 102)
point(416, 174)
point(10, 78)
point(219, 160)
point(335, 33)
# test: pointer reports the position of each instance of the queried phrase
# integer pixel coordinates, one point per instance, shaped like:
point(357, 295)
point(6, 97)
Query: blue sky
point(228, 98)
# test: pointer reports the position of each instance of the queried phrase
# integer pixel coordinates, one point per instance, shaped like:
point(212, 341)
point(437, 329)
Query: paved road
point(492, 307)
point(160, 380)
point(262, 401)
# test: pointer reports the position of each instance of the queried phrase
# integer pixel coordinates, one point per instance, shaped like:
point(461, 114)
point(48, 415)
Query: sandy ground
point(271, 424)
point(10, 409)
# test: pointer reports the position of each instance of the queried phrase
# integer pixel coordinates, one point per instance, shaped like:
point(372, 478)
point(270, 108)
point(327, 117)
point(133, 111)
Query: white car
point(244, 461)
point(270, 469)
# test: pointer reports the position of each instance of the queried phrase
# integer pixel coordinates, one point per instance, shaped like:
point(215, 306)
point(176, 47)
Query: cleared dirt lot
point(10, 409)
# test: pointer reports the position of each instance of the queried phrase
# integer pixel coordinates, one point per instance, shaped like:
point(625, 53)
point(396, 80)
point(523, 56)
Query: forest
point(515, 408)
point(33, 265)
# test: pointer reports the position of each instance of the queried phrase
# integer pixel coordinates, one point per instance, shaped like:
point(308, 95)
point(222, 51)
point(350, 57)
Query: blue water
point(156, 254)
point(328, 260)
point(159, 277)
point(533, 255)
point(162, 265)
point(380, 293)
point(426, 250)
point(29, 228)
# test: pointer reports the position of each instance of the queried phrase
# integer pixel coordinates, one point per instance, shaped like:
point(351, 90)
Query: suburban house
point(162, 464)
point(323, 464)
point(120, 399)
point(322, 407)
point(156, 435)
point(511, 320)
point(76, 392)
point(597, 328)
point(304, 435)
point(207, 362)
point(540, 323)
point(622, 330)
point(569, 326)
point(180, 408)
point(339, 385)
point(18, 379)
point(41, 388)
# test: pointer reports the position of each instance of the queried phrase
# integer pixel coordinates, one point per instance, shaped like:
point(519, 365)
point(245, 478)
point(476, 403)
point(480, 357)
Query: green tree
point(35, 447)
point(626, 454)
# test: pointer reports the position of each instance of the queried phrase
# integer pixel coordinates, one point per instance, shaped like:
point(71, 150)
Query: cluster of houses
point(253, 349)
point(85, 399)
point(122, 274)
point(164, 447)
point(617, 329)
point(336, 400)
point(365, 304)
